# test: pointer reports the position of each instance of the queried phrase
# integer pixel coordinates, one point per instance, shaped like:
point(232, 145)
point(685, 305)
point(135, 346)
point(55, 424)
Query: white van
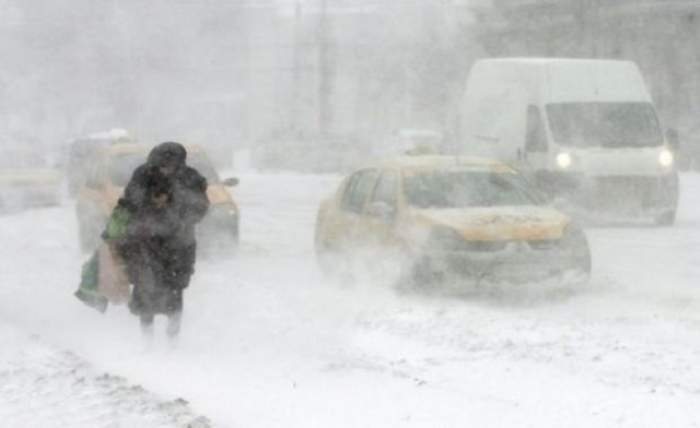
point(583, 129)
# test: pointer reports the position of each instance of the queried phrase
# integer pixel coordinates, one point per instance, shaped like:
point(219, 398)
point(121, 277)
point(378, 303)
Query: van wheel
point(583, 258)
point(666, 219)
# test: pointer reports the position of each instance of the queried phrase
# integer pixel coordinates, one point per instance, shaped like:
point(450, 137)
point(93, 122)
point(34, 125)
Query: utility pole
point(589, 27)
point(296, 69)
point(325, 72)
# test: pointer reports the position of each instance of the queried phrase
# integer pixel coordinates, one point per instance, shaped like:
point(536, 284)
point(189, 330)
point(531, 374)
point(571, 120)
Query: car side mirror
point(231, 181)
point(673, 140)
point(382, 211)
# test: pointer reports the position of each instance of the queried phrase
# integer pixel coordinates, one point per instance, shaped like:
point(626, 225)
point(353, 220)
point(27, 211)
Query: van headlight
point(666, 158)
point(564, 160)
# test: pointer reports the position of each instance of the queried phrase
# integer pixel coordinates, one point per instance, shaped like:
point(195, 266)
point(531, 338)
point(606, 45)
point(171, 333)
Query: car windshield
point(604, 124)
point(122, 167)
point(462, 189)
point(201, 163)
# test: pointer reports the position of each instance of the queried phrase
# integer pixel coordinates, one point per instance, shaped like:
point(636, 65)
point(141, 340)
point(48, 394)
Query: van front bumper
point(624, 195)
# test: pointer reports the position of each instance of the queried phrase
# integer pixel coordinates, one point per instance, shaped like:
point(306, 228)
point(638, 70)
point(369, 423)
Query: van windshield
point(463, 189)
point(604, 124)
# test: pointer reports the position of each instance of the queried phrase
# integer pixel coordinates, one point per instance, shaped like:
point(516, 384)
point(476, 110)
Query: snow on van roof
point(552, 60)
point(566, 79)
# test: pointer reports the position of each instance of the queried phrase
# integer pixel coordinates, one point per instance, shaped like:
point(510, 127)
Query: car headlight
point(666, 158)
point(564, 160)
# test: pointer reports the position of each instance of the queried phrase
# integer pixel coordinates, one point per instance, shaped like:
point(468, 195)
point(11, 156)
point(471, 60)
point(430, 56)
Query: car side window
point(535, 139)
point(387, 189)
point(345, 201)
point(357, 191)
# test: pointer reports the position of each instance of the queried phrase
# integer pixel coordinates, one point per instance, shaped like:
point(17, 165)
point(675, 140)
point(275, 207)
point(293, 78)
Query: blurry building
point(362, 67)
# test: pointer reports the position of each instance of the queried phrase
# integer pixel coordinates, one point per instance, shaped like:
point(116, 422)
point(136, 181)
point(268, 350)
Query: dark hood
point(169, 153)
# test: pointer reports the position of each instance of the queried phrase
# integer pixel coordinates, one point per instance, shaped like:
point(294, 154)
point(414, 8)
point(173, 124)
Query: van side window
point(357, 191)
point(535, 140)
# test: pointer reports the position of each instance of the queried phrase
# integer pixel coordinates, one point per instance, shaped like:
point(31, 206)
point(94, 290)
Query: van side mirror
point(231, 181)
point(673, 140)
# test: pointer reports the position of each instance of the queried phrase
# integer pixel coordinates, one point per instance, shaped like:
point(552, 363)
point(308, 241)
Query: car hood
point(29, 176)
point(498, 223)
point(218, 194)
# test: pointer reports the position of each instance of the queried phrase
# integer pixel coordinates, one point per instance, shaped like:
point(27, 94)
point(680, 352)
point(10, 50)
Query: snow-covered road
point(267, 342)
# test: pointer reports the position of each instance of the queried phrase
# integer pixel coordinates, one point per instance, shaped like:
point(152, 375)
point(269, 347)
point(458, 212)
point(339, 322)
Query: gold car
point(428, 216)
point(109, 171)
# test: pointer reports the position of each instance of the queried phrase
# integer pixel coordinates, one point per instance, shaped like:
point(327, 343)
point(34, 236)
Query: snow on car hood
point(497, 223)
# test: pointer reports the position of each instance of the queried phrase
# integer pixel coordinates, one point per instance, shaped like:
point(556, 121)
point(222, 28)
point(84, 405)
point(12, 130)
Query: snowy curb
point(44, 387)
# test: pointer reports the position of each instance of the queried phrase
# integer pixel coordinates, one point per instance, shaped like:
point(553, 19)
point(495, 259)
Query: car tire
point(419, 275)
point(323, 257)
point(580, 268)
point(87, 241)
point(89, 230)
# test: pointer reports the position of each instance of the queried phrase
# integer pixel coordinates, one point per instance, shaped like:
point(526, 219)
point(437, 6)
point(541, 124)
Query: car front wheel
point(576, 242)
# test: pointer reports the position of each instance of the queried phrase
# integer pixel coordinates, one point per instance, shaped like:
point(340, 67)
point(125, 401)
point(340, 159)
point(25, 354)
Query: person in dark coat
point(165, 199)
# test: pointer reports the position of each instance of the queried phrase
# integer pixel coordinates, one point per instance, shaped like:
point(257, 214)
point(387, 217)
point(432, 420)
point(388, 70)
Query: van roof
point(567, 79)
point(541, 61)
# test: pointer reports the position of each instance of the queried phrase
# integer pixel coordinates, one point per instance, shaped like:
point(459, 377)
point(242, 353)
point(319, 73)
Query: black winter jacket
point(160, 246)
